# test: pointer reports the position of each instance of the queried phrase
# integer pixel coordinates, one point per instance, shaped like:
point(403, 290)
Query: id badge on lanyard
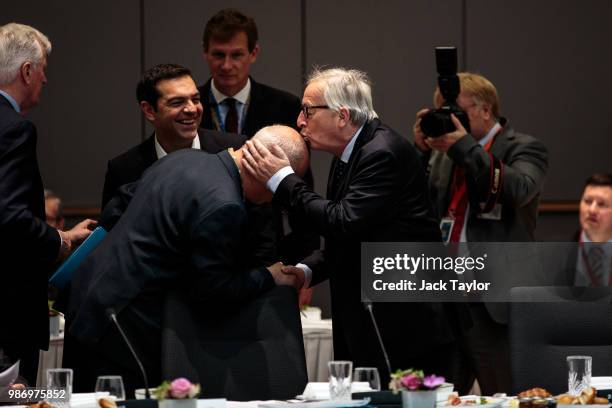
point(446, 227)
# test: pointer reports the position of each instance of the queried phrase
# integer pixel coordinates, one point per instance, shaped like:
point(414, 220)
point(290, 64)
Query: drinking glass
point(110, 385)
point(60, 379)
point(578, 373)
point(340, 380)
point(369, 375)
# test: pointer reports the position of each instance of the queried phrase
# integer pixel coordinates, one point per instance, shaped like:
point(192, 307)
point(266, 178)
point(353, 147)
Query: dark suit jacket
point(129, 166)
point(524, 162)
point(267, 106)
point(271, 106)
point(28, 246)
point(382, 197)
point(185, 225)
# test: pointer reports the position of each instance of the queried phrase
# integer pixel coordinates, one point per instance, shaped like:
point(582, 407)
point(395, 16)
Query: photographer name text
point(454, 285)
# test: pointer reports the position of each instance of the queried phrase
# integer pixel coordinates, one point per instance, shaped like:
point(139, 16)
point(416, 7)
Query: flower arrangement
point(413, 380)
point(181, 388)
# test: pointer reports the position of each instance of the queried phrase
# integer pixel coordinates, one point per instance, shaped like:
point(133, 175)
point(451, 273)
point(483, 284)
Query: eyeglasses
point(308, 110)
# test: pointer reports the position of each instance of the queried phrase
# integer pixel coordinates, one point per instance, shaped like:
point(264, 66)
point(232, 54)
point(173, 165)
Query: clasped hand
point(287, 275)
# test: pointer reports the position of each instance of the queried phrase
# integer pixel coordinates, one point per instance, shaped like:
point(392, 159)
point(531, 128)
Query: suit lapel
point(209, 106)
point(147, 154)
point(253, 110)
point(336, 192)
point(229, 163)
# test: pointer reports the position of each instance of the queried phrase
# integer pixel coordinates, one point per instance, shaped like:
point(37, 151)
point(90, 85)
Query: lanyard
point(216, 112)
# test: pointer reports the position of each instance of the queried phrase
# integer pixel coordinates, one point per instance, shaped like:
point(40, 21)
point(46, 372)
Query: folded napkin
point(602, 383)
point(320, 390)
point(85, 400)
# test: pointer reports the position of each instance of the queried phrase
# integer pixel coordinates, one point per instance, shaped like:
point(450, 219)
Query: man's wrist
point(307, 274)
point(65, 245)
point(277, 177)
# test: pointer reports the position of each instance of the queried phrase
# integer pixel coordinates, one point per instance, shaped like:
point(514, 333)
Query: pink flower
point(411, 381)
point(432, 381)
point(180, 388)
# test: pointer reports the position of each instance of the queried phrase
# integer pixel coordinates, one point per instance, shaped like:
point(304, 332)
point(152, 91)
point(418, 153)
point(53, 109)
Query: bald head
point(289, 141)
point(283, 138)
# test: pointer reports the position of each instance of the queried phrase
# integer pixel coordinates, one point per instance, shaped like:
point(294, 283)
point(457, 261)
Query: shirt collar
point(242, 96)
point(346, 154)
point(11, 100)
point(492, 132)
point(159, 150)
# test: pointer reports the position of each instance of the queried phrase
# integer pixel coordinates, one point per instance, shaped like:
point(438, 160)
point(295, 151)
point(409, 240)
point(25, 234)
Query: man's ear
point(148, 110)
point(26, 71)
point(486, 111)
point(344, 116)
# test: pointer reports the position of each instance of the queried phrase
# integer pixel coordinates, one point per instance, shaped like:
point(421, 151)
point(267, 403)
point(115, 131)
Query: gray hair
point(348, 88)
point(289, 141)
point(20, 43)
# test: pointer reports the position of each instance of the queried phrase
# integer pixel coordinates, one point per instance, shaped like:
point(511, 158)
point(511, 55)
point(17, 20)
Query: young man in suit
point(235, 102)
point(183, 229)
point(377, 192)
point(594, 257)
point(486, 184)
point(29, 246)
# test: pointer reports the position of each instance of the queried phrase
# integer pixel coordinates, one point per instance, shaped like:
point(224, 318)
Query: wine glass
point(369, 375)
point(110, 386)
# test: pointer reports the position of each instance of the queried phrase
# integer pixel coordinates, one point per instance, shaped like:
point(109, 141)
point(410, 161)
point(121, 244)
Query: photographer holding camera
point(485, 184)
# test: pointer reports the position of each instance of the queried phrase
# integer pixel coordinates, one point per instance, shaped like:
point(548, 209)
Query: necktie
point(339, 173)
point(231, 119)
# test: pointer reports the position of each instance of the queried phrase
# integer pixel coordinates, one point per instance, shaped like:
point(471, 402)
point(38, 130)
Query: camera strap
point(496, 173)
point(459, 201)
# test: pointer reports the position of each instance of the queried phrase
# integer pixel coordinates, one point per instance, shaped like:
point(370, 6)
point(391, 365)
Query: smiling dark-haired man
point(170, 101)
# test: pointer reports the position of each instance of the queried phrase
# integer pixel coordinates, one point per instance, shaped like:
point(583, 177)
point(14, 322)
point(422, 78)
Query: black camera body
point(437, 122)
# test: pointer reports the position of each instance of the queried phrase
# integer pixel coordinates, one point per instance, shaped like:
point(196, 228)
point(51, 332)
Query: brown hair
point(599, 179)
point(227, 23)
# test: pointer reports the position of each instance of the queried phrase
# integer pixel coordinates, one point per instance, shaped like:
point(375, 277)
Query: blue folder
point(64, 273)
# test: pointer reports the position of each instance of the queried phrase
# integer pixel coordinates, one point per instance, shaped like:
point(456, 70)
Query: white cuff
point(279, 176)
point(307, 274)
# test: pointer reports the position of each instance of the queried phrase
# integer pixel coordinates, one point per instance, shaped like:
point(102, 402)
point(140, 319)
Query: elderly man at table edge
point(377, 191)
point(184, 228)
point(30, 247)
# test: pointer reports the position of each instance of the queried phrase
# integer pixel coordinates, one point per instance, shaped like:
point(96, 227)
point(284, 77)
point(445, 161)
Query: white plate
point(492, 402)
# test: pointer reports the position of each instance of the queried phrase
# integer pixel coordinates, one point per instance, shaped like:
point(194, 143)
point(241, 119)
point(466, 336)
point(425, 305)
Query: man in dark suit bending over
point(377, 192)
point(184, 229)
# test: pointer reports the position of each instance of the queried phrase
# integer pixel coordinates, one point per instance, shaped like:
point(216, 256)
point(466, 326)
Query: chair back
point(572, 321)
point(251, 352)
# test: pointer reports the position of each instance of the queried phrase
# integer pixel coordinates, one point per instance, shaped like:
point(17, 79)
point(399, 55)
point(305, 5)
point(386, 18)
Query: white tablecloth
point(318, 348)
point(50, 359)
